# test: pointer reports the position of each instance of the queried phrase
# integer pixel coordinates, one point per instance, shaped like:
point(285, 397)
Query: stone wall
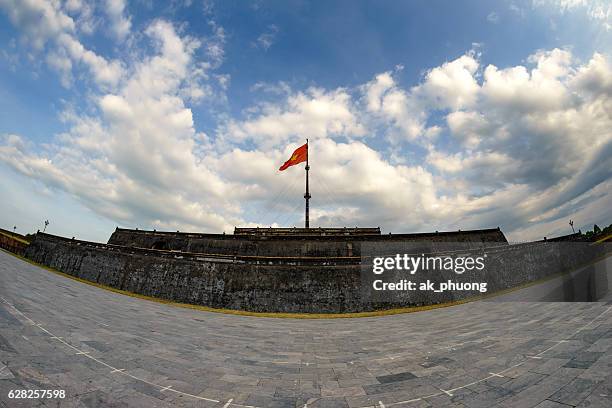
point(12, 242)
point(244, 283)
point(275, 284)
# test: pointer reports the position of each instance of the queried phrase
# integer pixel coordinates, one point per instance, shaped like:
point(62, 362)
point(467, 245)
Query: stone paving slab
point(110, 350)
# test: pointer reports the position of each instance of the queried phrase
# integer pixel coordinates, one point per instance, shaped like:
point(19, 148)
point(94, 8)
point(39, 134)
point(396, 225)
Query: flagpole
point(307, 195)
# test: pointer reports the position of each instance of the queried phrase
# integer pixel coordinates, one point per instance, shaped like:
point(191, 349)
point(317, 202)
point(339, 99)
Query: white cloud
point(280, 88)
point(104, 71)
point(42, 22)
point(376, 89)
point(517, 88)
point(599, 11)
point(540, 131)
point(594, 77)
point(267, 38)
point(468, 127)
point(214, 45)
point(120, 23)
point(451, 85)
point(59, 61)
point(314, 113)
point(39, 20)
point(388, 102)
point(83, 12)
point(493, 17)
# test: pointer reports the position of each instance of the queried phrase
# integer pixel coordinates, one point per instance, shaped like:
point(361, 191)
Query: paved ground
point(106, 349)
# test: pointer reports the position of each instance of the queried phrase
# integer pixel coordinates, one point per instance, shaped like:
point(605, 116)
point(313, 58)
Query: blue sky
point(422, 115)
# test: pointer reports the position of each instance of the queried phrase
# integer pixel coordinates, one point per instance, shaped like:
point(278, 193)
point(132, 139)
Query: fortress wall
point(218, 283)
point(288, 245)
point(276, 285)
point(12, 242)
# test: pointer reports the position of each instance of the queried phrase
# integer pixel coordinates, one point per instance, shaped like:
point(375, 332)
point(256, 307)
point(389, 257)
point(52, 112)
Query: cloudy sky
point(422, 115)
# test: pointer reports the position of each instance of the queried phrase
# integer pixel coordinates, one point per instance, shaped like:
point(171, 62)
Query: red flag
point(299, 155)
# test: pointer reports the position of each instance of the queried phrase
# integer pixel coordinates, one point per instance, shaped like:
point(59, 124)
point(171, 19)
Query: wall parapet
point(288, 245)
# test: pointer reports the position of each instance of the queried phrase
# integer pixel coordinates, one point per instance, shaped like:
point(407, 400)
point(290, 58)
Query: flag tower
point(301, 155)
